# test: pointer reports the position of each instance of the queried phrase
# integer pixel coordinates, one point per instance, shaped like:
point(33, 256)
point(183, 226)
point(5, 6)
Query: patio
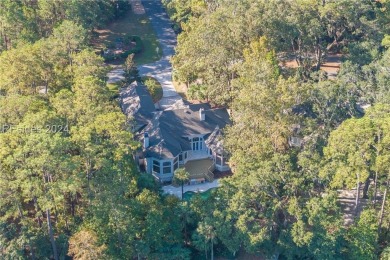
point(200, 169)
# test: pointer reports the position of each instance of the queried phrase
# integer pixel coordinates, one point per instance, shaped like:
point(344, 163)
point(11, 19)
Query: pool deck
point(194, 188)
point(198, 168)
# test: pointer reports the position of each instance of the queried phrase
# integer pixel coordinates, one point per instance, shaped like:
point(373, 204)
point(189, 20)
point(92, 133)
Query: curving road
point(162, 69)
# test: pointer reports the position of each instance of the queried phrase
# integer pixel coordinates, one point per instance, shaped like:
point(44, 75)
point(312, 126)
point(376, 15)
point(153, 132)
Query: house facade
point(187, 136)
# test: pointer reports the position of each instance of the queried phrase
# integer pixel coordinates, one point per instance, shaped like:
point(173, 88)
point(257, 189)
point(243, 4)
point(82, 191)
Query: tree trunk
point(185, 230)
point(7, 42)
point(357, 197)
point(382, 210)
point(330, 46)
point(212, 249)
point(182, 189)
point(38, 210)
point(29, 244)
point(365, 188)
point(50, 230)
point(46, 86)
point(5, 39)
point(72, 205)
point(318, 53)
point(1, 32)
point(89, 170)
point(375, 187)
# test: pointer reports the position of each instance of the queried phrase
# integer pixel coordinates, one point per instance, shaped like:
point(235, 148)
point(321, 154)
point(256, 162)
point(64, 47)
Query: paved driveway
point(162, 69)
point(116, 75)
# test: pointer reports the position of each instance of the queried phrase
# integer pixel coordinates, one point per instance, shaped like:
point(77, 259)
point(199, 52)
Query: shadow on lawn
point(130, 24)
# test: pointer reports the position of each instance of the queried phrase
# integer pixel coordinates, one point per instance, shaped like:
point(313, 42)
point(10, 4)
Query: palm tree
point(181, 175)
point(207, 234)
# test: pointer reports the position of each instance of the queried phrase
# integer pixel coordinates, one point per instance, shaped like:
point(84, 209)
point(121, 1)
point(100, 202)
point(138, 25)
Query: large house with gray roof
point(188, 135)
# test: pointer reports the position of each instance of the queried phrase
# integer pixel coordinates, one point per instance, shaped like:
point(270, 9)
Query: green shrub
point(138, 44)
point(111, 45)
point(152, 85)
point(137, 49)
point(154, 88)
point(197, 91)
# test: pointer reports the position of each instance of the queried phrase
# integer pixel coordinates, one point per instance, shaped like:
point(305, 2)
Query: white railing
point(197, 155)
point(210, 175)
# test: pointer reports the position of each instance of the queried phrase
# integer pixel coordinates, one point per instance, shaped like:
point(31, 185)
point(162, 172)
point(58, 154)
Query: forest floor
point(346, 200)
point(331, 65)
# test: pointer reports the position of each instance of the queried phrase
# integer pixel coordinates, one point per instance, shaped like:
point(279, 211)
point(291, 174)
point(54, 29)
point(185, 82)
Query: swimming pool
point(204, 195)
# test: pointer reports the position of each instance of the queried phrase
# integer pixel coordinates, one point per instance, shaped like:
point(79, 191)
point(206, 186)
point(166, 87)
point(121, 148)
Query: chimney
point(229, 111)
point(202, 115)
point(146, 140)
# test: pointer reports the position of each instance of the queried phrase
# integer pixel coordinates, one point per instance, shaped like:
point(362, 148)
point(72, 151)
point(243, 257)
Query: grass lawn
point(131, 24)
point(154, 88)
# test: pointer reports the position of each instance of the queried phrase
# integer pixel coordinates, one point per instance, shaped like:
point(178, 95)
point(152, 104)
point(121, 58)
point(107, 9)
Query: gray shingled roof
point(168, 130)
point(136, 103)
point(215, 141)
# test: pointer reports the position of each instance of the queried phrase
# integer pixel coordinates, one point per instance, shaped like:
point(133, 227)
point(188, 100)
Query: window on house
point(156, 166)
point(225, 161)
point(218, 159)
point(185, 156)
point(197, 143)
point(181, 157)
point(167, 167)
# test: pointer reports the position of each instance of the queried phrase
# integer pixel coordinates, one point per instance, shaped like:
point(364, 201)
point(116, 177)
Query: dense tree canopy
point(299, 139)
point(214, 36)
point(28, 21)
point(68, 185)
point(298, 136)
